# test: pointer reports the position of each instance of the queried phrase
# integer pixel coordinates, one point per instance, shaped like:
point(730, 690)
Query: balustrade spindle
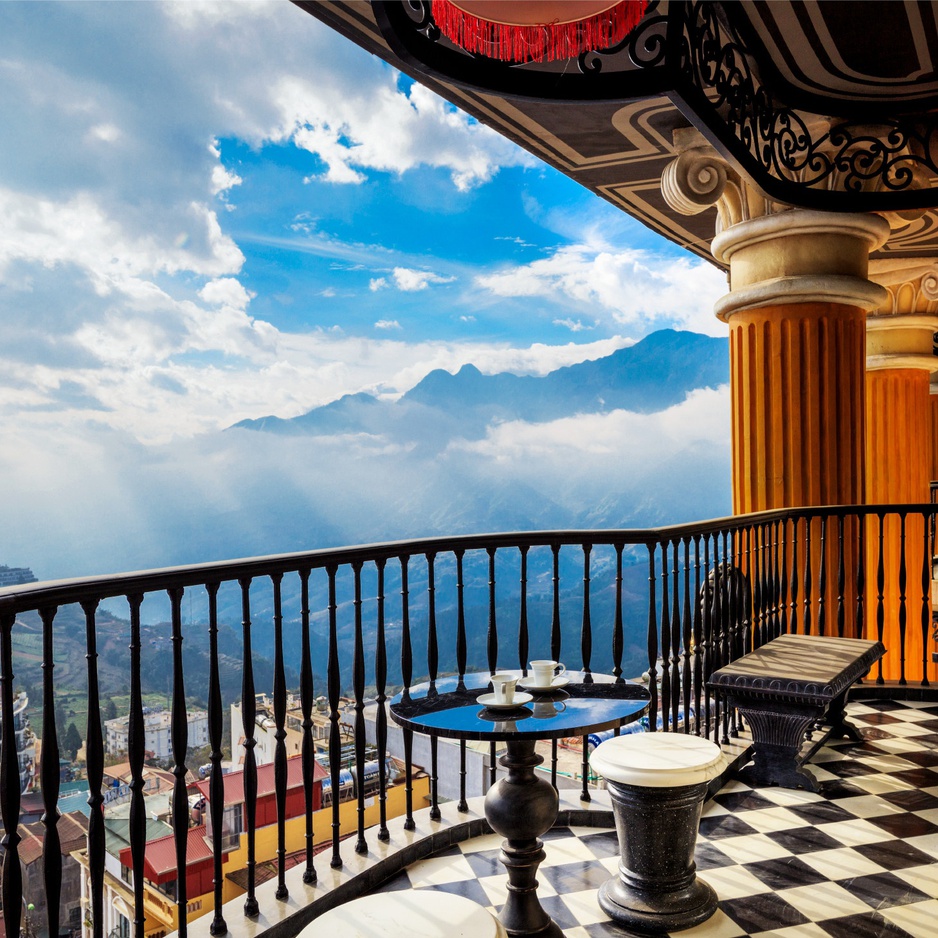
point(280, 735)
point(94, 761)
point(778, 577)
point(555, 633)
point(358, 688)
point(860, 620)
point(433, 652)
point(553, 762)
point(49, 777)
point(492, 634)
point(652, 642)
point(461, 647)
point(179, 739)
point(808, 558)
point(493, 767)
point(783, 594)
point(216, 784)
point(756, 556)
point(407, 655)
point(407, 666)
point(409, 823)
point(523, 614)
point(903, 610)
point(841, 577)
point(665, 642)
point(136, 748)
point(618, 639)
point(795, 577)
point(248, 717)
point(585, 770)
point(12, 886)
point(333, 678)
point(822, 581)
point(434, 780)
point(308, 750)
point(463, 805)
point(381, 715)
point(880, 590)
point(586, 629)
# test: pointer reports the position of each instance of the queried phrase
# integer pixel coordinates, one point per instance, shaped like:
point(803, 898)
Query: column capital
point(900, 332)
point(777, 255)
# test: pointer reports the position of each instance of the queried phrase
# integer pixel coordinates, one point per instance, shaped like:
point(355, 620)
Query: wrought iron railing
point(675, 603)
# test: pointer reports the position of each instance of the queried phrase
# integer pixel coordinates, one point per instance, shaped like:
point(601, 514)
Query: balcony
point(672, 604)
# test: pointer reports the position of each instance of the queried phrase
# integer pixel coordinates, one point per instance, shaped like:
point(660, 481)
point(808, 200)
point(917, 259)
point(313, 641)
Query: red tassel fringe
point(537, 43)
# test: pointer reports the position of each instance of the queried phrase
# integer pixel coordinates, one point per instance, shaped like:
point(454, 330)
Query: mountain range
point(653, 374)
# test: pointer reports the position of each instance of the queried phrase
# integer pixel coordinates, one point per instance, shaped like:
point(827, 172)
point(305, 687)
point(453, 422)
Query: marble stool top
point(407, 914)
point(657, 760)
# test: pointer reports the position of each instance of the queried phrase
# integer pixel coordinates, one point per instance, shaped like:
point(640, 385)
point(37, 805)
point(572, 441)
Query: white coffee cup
point(545, 671)
point(504, 687)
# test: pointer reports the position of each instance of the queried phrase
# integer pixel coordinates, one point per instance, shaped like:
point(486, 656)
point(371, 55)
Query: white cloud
point(377, 283)
point(410, 280)
point(226, 291)
point(379, 127)
point(387, 324)
point(107, 133)
point(630, 286)
point(574, 325)
point(702, 417)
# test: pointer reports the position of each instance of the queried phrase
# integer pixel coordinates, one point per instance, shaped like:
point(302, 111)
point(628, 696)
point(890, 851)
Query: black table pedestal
point(656, 888)
point(521, 807)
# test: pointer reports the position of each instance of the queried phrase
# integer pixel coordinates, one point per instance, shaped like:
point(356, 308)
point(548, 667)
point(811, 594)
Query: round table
point(521, 806)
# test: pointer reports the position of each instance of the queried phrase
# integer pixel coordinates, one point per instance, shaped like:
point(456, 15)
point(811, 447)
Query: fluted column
point(796, 311)
point(899, 457)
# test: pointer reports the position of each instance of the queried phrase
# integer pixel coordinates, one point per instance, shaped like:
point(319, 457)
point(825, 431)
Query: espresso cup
point(503, 685)
point(545, 671)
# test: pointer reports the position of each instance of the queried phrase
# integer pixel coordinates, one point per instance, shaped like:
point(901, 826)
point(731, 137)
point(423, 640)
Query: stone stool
point(420, 913)
point(657, 782)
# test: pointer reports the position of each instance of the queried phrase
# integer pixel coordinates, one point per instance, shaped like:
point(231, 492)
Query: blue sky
point(220, 211)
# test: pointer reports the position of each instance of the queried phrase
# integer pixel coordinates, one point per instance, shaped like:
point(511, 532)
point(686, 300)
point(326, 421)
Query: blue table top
point(586, 704)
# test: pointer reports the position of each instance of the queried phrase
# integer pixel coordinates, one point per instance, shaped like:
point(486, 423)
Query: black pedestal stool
point(657, 782)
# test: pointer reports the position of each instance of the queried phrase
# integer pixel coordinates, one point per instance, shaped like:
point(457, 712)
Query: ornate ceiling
point(818, 76)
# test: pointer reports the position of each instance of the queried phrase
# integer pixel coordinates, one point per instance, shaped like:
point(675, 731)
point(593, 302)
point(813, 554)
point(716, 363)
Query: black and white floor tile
point(858, 860)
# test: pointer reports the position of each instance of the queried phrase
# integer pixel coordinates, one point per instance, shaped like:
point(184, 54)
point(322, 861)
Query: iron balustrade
point(675, 603)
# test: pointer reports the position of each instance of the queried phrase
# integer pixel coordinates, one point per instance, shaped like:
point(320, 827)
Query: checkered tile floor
point(859, 860)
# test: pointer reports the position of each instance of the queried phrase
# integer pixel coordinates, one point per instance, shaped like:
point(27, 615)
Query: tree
point(110, 709)
point(72, 742)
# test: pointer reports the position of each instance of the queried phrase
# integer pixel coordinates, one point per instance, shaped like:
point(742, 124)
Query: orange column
point(897, 471)
point(797, 317)
point(933, 410)
point(899, 461)
point(796, 375)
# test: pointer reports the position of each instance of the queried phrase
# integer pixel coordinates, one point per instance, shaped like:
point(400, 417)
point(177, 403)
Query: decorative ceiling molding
point(693, 52)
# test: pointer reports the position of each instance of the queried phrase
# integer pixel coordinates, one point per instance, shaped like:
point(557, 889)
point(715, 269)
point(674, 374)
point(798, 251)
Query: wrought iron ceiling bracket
point(690, 51)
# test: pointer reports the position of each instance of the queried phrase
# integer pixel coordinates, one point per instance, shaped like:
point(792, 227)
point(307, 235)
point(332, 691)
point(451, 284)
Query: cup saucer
point(556, 684)
point(488, 700)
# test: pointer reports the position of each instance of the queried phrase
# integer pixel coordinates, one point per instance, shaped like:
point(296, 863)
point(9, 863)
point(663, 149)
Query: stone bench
point(785, 688)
